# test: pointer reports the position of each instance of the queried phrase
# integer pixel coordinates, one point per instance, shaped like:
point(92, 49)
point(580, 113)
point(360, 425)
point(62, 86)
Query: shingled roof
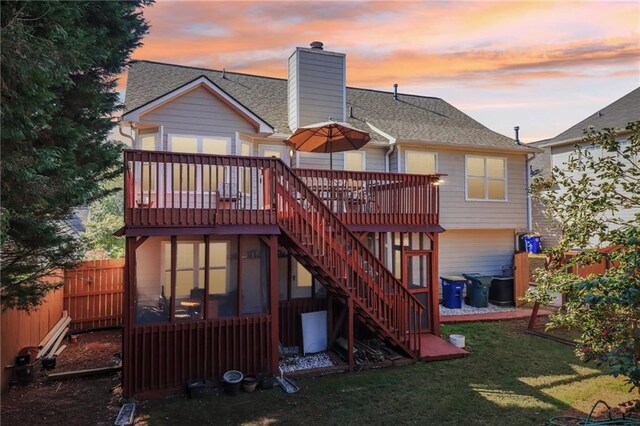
point(419, 119)
point(616, 115)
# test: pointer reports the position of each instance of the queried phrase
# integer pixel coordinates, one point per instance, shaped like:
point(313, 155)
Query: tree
point(597, 201)
point(60, 62)
point(105, 217)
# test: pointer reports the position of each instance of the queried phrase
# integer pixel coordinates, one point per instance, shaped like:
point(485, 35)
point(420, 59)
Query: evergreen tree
point(59, 63)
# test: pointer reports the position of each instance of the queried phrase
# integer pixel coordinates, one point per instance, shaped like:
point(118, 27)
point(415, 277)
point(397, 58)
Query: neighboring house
point(558, 149)
point(246, 243)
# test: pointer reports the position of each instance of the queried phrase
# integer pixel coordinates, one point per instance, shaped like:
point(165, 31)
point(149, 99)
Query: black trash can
point(478, 289)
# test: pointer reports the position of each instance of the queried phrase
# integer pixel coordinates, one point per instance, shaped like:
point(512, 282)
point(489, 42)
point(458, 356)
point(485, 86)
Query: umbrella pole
point(330, 159)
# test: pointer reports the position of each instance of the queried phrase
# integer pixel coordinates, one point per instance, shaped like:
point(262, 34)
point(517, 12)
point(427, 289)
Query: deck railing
point(173, 189)
point(376, 198)
point(176, 189)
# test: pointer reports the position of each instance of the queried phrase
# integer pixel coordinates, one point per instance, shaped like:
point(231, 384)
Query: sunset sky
point(541, 65)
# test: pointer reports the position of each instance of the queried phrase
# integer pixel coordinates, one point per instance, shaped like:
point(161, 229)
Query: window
point(420, 162)
point(486, 178)
point(190, 279)
point(355, 161)
point(186, 177)
point(147, 142)
point(302, 282)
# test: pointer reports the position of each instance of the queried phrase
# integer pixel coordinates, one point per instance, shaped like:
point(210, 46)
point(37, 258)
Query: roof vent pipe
point(517, 129)
point(224, 73)
point(395, 91)
point(350, 112)
point(317, 45)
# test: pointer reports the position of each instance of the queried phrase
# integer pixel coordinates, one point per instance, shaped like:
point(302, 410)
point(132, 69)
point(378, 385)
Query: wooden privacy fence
point(93, 293)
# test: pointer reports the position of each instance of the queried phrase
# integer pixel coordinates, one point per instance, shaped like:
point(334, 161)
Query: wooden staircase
point(341, 262)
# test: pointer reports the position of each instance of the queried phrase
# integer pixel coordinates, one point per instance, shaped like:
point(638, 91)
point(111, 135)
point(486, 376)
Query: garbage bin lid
point(453, 278)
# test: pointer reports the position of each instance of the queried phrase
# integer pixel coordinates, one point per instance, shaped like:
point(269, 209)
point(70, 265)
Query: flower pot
point(249, 384)
point(232, 382)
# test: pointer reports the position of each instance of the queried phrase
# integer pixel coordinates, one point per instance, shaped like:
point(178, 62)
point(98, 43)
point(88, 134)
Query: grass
point(510, 379)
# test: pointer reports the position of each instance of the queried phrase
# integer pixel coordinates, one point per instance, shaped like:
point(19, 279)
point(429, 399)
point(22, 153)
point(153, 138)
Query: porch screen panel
point(222, 300)
point(255, 274)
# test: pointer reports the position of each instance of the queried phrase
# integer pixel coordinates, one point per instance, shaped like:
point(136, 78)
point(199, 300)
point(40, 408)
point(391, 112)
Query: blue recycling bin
point(452, 287)
point(532, 243)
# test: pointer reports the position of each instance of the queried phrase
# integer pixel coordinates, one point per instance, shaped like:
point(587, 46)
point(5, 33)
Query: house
point(231, 235)
point(556, 153)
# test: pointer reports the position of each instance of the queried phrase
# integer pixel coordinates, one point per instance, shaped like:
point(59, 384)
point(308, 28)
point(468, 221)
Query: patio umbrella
point(328, 137)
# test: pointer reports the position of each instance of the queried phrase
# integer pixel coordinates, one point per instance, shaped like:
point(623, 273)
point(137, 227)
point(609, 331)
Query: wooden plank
point(83, 373)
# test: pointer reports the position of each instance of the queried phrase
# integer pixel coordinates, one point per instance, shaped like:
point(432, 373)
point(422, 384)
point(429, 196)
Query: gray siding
point(559, 157)
point(540, 222)
point(473, 250)
point(375, 158)
point(457, 213)
point(292, 92)
point(317, 89)
point(198, 112)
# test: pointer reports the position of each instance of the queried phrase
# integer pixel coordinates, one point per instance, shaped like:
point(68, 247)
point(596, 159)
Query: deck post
point(329, 317)
point(273, 291)
point(350, 331)
point(435, 302)
point(129, 314)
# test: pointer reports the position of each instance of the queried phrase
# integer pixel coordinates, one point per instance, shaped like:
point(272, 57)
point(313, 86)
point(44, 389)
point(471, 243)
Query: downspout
point(120, 126)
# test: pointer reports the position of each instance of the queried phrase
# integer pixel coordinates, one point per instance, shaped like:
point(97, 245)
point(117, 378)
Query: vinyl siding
point(560, 156)
point(457, 213)
point(198, 112)
point(540, 223)
point(292, 92)
point(484, 251)
point(317, 92)
point(375, 158)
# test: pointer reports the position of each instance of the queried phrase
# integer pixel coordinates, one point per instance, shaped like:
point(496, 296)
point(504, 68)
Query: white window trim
point(409, 151)
point(364, 159)
point(284, 151)
point(486, 179)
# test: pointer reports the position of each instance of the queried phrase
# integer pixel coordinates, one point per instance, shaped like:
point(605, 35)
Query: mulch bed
point(80, 401)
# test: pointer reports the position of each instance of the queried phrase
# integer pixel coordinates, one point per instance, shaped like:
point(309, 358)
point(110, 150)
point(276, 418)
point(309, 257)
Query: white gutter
point(392, 143)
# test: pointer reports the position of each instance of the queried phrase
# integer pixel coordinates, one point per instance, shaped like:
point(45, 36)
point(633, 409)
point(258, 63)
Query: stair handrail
point(413, 302)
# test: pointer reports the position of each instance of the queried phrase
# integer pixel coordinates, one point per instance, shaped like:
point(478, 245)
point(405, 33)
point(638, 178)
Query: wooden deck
point(167, 189)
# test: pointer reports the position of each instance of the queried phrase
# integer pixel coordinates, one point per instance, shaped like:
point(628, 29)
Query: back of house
point(231, 234)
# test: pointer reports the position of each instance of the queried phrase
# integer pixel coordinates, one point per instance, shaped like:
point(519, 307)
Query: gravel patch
point(299, 362)
point(470, 310)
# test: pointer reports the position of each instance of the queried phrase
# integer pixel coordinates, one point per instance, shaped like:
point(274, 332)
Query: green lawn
point(510, 379)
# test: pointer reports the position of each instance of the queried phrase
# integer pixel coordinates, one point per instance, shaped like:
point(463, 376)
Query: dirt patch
point(80, 401)
point(94, 349)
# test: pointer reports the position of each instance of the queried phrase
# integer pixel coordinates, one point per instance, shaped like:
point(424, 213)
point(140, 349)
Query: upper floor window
point(354, 161)
point(420, 162)
point(486, 178)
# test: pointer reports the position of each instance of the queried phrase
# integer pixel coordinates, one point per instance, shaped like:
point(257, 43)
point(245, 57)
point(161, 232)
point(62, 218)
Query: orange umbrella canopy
point(328, 137)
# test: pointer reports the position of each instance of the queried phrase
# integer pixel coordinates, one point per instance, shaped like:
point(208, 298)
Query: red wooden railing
point(173, 189)
point(375, 198)
point(338, 259)
point(167, 355)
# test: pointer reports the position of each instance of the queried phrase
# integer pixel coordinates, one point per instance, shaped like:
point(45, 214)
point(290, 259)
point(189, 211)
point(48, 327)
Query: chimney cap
point(317, 45)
